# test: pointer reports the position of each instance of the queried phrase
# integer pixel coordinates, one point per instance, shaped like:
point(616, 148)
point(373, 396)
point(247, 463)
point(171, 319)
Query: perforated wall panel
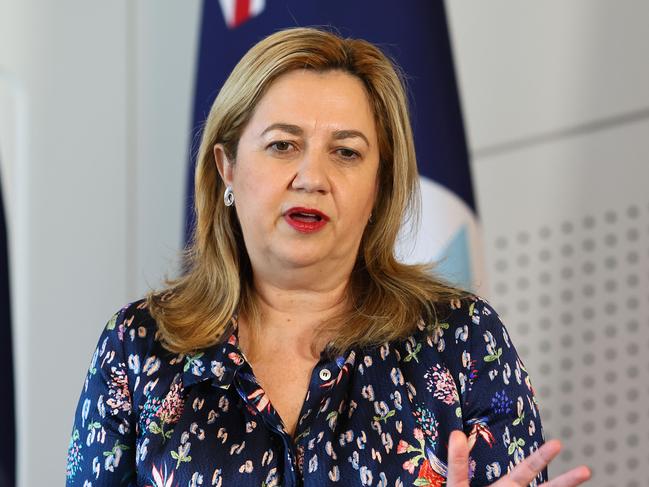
point(568, 258)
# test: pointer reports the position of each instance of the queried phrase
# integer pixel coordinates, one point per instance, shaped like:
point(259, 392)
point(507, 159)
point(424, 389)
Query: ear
point(224, 166)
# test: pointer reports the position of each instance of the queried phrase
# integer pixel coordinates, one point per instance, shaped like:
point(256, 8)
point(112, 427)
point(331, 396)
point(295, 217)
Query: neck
point(292, 302)
point(290, 315)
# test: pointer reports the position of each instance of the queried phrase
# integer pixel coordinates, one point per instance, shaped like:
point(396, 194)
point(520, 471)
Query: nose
point(311, 173)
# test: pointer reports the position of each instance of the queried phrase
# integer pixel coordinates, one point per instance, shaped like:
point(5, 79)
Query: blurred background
point(98, 117)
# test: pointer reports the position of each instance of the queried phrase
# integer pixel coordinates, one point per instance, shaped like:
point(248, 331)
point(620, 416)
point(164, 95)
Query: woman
point(296, 350)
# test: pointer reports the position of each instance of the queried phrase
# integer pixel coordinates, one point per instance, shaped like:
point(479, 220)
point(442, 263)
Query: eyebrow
point(297, 131)
point(285, 127)
point(348, 134)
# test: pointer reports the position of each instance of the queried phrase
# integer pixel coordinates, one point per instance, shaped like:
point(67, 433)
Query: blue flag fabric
point(415, 34)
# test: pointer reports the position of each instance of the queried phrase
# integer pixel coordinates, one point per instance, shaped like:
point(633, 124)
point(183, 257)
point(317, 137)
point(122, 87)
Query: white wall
point(94, 175)
point(556, 109)
point(69, 257)
point(166, 48)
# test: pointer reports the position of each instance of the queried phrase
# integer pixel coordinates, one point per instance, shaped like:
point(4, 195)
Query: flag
point(413, 33)
point(7, 417)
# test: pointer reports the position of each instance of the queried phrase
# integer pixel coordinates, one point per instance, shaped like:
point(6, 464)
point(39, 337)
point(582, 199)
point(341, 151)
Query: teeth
point(310, 216)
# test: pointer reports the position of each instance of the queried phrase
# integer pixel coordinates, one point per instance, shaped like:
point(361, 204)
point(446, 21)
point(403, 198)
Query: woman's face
point(305, 177)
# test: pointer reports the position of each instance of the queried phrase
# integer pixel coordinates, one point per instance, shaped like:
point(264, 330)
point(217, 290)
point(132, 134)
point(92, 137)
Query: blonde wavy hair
point(388, 298)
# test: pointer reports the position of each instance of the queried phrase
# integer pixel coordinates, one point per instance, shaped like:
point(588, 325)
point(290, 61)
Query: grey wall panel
point(165, 54)
point(567, 231)
point(531, 68)
point(69, 59)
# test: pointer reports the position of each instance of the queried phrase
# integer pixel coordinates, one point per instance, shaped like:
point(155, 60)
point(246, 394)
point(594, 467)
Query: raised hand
point(520, 476)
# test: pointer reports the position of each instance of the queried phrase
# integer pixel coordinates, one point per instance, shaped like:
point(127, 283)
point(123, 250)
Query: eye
point(348, 154)
point(281, 146)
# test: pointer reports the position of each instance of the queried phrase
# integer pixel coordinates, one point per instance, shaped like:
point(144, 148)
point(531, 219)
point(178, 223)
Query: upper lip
point(310, 211)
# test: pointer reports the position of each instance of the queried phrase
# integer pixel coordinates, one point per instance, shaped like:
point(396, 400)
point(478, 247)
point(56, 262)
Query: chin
point(302, 259)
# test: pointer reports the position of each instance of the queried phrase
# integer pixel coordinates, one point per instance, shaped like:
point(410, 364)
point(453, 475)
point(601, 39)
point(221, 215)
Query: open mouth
point(306, 220)
point(304, 216)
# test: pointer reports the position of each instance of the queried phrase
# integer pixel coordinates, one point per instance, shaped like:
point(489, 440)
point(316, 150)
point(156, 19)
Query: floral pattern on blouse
point(377, 416)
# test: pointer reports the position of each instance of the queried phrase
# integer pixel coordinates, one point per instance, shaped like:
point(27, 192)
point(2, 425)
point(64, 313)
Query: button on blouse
point(379, 416)
point(325, 374)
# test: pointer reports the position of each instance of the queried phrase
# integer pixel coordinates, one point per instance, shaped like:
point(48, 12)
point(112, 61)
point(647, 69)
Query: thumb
point(458, 460)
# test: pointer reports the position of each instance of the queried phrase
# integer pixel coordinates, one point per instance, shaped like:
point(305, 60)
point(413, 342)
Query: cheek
point(358, 204)
point(366, 193)
point(258, 197)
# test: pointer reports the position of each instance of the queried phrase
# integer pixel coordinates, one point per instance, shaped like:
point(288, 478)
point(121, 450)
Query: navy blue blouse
point(378, 416)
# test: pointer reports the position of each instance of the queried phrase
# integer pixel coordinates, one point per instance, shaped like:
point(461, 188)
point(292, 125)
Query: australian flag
point(413, 33)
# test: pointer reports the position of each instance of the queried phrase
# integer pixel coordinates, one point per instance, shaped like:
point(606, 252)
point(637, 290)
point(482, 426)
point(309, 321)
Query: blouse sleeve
point(101, 451)
point(500, 413)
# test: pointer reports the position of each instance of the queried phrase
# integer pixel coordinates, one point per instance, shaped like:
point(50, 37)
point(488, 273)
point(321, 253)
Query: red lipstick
point(305, 220)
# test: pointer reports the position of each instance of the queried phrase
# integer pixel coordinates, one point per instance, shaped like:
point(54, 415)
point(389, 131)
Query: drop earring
point(228, 196)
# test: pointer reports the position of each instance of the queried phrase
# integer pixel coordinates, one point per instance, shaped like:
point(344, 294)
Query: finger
point(529, 468)
point(571, 478)
point(458, 460)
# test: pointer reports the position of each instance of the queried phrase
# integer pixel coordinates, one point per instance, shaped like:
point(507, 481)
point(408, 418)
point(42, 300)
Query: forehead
point(330, 99)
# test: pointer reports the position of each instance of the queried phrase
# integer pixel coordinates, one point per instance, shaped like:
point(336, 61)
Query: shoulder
point(462, 328)
point(132, 324)
point(461, 318)
point(129, 347)
point(131, 316)
point(129, 338)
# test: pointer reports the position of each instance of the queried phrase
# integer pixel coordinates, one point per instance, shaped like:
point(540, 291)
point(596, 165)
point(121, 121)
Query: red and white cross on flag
point(236, 12)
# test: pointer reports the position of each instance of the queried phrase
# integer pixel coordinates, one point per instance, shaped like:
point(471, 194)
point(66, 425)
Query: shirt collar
point(221, 361)
point(218, 363)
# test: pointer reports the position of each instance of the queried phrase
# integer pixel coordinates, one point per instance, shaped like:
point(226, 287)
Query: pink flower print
point(172, 405)
point(409, 466)
point(427, 474)
point(119, 397)
point(161, 479)
point(168, 411)
point(403, 446)
point(440, 382)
